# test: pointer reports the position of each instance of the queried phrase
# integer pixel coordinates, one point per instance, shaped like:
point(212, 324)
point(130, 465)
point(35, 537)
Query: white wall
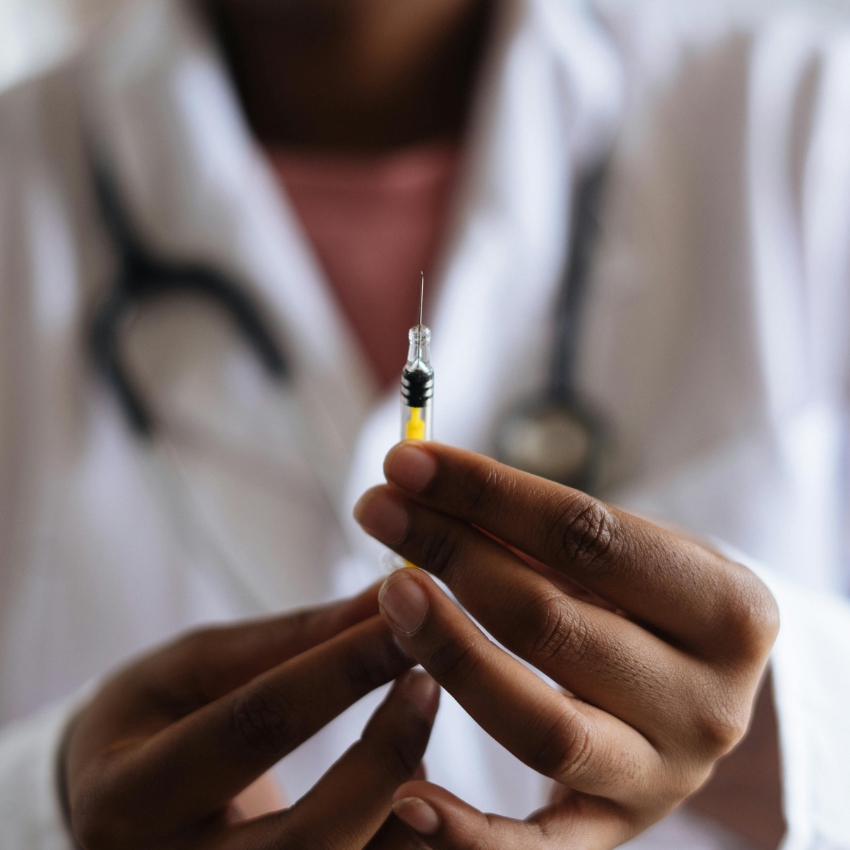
point(36, 33)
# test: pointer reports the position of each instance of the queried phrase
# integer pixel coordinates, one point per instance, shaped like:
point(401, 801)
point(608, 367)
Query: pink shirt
point(374, 222)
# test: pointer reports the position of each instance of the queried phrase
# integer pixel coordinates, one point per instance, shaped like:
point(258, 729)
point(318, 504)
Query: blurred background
point(34, 34)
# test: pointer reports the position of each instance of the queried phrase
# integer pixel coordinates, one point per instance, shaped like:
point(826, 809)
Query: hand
point(660, 656)
point(158, 756)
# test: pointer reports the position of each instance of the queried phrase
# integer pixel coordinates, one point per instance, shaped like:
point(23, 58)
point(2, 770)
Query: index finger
point(217, 751)
point(198, 668)
point(671, 583)
point(210, 662)
point(349, 804)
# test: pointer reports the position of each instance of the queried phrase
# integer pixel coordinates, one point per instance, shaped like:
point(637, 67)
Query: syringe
point(417, 397)
point(417, 380)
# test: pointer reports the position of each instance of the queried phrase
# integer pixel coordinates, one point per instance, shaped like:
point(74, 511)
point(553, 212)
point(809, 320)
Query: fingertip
point(382, 514)
point(418, 815)
point(403, 601)
point(429, 809)
point(365, 499)
point(424, 693)
point(410, 465)
point(415, 788)
point(446, 804)
point(426, 808)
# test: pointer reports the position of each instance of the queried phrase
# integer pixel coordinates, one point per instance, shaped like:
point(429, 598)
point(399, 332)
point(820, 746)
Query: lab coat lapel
point(198, 188)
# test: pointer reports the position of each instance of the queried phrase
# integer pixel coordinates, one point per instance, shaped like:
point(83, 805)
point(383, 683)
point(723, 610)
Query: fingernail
point(410, 467)
point(424, 693)
point(382, 516)
point(417, 814)
point(404, 601)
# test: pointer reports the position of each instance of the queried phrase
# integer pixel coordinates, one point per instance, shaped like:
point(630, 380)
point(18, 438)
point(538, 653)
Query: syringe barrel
point(417, 387)
point(417, 400)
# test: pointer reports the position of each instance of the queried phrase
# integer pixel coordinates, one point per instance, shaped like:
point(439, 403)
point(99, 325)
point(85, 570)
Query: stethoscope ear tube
point(103, 344)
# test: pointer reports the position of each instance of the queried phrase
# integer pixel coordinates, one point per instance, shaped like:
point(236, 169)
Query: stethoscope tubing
point(143, 276)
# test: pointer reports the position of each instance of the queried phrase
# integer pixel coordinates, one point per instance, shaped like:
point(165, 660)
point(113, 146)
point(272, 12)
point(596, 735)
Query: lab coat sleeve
point(811, 658)
point(31, 815)
point(810, 667)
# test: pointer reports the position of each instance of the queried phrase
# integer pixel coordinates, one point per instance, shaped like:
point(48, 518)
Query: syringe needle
point(421, 294)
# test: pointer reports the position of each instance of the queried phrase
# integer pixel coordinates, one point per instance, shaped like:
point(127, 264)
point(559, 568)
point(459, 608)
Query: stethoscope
point(141, 277)
point(556, 434)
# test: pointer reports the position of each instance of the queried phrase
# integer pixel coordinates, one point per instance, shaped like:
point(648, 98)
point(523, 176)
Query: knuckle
point(397, 757)
point(721, 726)
point(760, 619)
point(567, 748)
point(371, 666)
point(265, 721)
point(556, 630)
point(583, 529)
point(453, 662)
point(442, 550)
point(750, 620)
point(483, 489)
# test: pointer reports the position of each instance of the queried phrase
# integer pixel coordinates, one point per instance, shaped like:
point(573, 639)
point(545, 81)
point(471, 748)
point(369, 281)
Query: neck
point(364, 75)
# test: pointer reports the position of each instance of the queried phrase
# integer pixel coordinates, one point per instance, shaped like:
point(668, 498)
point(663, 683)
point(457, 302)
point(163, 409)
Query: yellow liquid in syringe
point(415, 425)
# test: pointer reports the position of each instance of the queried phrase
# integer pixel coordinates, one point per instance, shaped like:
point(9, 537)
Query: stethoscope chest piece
point(558, 435)
point(559, 439)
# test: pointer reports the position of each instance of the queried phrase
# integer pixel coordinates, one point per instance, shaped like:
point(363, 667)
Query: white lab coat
point(714, 340)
